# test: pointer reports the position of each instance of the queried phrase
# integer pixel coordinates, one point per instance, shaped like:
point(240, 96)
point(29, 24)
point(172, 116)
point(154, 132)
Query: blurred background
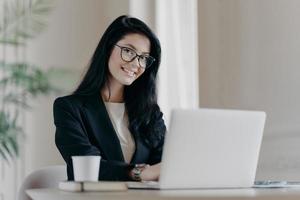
point(239, 54)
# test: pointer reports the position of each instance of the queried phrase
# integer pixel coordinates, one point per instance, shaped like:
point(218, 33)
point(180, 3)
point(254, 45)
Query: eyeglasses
point(128, 55)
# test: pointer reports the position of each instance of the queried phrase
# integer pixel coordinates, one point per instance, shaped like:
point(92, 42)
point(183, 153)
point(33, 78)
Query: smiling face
point(122, 72)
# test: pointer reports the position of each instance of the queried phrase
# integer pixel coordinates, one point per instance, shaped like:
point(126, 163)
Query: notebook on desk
point(86, 186)
point(210, 148)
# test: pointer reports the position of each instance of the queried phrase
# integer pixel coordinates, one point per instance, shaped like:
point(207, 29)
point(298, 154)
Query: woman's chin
point(127, 82)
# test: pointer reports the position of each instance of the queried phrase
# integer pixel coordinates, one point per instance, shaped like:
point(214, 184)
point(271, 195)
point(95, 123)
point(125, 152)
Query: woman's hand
point(151, 173)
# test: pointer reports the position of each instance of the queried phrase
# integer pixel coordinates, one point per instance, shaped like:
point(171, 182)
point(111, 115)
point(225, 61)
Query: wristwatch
point(137, 170)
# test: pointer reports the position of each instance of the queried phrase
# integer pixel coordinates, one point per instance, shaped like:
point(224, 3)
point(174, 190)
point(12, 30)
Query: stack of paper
point(275, 184)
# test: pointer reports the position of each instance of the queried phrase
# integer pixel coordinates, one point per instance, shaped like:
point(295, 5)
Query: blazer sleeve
point(160, 128)
point(72, 139)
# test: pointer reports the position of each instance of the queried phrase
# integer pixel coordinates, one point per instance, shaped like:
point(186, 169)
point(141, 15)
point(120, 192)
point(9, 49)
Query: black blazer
point(83, 127)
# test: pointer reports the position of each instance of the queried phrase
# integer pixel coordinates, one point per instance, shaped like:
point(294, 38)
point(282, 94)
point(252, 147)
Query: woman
point(113, 112)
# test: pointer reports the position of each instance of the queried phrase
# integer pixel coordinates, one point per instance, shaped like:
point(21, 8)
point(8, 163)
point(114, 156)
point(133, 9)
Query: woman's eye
point(129, 51)
point(144, 58)
point(126, 50)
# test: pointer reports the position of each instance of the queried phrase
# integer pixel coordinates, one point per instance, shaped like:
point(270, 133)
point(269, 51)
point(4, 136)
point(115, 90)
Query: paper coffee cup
point(86, 168)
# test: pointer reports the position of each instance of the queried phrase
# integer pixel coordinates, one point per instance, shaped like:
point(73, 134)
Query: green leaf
point(9, 132)
point(16, 99)
point(24, 22)
point(4, 81)
point(14, 145)
point(11, 42)
point(4, 145)
point(3, 155)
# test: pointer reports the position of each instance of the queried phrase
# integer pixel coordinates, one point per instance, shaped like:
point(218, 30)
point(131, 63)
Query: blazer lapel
point(102, 128)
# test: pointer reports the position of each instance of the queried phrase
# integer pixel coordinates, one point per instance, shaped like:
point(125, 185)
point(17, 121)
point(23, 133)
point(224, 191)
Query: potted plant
point(20, 22)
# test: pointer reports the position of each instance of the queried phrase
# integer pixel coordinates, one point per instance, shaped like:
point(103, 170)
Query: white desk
point(226, 194)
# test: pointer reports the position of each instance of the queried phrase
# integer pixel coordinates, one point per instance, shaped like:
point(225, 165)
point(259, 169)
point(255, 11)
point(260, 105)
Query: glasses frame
point(134, 57)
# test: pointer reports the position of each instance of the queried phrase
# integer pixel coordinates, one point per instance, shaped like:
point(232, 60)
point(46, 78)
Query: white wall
point(249, 59)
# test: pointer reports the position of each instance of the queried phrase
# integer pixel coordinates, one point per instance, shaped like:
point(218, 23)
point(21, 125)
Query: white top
point(119, 119)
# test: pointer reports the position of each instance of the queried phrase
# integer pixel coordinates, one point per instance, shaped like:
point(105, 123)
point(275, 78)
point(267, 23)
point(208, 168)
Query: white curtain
point(175, 22)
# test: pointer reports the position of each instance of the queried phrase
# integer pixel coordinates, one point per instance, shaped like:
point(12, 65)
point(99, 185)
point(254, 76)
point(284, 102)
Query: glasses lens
point(128, 54)
point(146, 61)
point(143, 61)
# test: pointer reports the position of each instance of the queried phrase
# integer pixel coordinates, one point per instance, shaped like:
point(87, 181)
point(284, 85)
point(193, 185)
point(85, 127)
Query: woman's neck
point(113, 92)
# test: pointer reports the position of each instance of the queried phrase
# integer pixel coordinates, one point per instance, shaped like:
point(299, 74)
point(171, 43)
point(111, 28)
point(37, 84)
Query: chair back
point(47, 177)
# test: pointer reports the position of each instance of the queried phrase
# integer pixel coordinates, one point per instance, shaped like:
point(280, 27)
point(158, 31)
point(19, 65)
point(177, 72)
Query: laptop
point(209, 148)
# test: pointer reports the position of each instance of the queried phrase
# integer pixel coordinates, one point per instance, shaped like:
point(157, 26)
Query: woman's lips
point(128, 72)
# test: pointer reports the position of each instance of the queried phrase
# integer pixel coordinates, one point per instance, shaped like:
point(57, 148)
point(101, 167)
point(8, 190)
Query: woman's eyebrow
point(133, 47)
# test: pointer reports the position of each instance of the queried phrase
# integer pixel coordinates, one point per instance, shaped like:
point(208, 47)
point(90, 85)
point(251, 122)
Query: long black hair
point(140, 97)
